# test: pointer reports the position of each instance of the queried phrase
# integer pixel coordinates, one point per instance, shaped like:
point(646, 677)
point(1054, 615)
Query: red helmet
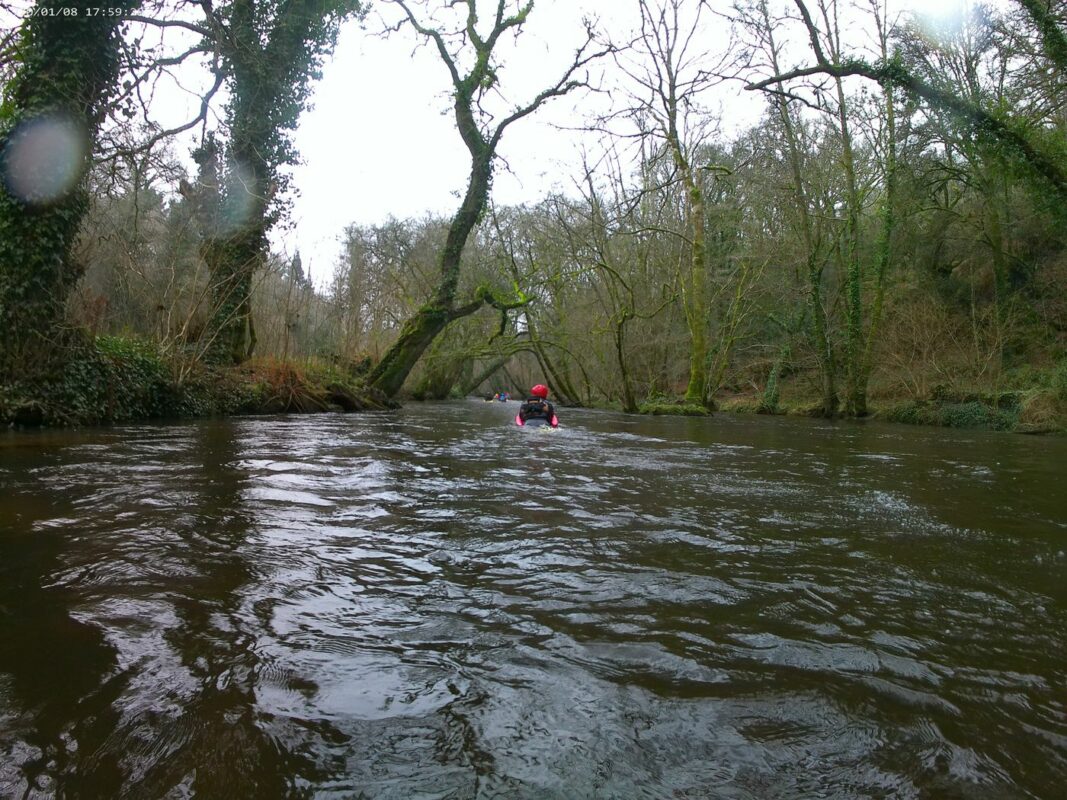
point(540, 390)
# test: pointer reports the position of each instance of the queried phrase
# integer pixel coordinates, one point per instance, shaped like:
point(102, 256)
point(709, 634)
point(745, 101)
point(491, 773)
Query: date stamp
point(75, 11)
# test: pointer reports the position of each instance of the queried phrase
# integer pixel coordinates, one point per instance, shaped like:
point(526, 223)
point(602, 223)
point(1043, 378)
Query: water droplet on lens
point(44, 158)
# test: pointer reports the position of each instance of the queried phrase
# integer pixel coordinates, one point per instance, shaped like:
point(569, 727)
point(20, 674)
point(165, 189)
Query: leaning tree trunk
point(421, 329)
point(485, 374)
point(67, 67)
point(469, 87)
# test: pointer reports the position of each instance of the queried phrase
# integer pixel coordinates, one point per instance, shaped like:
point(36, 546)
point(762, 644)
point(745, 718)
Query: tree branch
point(562, 87)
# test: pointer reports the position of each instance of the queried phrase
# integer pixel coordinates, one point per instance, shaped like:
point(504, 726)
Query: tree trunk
point(885, 242)
point(234, 264)
point(67, 67)
point(416, 335)
point(823, 353)
point(629, 402)
point(419, 331)
point(485, 374)
point(693, 283)
point(855, 392)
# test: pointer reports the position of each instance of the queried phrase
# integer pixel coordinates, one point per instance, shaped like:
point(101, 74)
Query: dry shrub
point(920, 346)
point(925, 344)
point(1042, 412)
point(283, 387)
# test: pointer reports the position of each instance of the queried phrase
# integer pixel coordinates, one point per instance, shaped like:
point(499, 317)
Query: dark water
point(435, 604)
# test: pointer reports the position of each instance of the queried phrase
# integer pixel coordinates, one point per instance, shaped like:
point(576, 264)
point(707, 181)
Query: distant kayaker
point(537, 407)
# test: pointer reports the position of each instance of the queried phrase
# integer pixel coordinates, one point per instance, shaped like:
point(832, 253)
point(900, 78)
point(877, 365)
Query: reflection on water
point(434, 603)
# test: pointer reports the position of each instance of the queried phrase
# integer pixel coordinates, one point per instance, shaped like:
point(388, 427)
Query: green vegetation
point(115, 379)
point(679, 409)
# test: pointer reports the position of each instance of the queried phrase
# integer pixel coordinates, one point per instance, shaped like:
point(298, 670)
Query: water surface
point(435, 604)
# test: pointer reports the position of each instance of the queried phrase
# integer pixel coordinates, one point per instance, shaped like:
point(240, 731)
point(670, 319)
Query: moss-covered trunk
point(67, 67)
point(855, 388)
point(416, 335)
point(234, 263)
point(421, 329)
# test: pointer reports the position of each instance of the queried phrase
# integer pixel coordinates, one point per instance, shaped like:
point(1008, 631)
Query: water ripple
point(434, 603)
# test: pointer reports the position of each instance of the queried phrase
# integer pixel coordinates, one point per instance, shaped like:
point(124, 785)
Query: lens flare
point(44, 158)
point(242, 197)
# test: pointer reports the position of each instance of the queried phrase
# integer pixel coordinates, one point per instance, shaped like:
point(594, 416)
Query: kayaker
point(537, 407)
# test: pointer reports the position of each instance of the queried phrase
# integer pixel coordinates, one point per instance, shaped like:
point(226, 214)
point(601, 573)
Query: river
point(433, 603)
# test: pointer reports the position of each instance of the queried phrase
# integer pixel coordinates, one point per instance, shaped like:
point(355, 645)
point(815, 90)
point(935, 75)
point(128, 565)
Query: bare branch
point(564, 85)
point(437, 39)
point(170, 23)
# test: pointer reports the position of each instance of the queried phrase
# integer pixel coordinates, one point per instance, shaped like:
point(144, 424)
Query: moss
point(675, 409)
point(744, 405)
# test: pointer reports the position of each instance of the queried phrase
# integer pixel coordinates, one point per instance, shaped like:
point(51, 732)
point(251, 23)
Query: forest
point(887, 240)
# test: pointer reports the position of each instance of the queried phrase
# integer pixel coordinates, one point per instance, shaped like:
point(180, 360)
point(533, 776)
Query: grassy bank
point(113, 379)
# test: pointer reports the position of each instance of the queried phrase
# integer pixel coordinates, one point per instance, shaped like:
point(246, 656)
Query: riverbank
point(1034, 403)
point(115, 379)
point(1035, 412)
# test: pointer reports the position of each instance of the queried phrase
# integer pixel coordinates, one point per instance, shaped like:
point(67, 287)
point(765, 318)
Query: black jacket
point(536, 408)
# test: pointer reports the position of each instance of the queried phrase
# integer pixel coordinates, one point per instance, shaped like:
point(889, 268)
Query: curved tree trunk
point(420, 330)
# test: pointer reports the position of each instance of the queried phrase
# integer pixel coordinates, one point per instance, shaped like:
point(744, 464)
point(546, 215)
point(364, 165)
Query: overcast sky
point(381, 140)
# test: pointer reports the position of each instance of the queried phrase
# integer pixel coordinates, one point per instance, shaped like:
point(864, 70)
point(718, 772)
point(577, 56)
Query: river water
point(433, 603)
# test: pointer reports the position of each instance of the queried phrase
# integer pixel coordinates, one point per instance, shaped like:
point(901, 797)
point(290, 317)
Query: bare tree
point(671, 73)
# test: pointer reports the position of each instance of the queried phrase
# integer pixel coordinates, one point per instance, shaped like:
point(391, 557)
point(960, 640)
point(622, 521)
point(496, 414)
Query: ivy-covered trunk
point(271, 53)
point(233, 226)
point(67, 68)
point(234, 263)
